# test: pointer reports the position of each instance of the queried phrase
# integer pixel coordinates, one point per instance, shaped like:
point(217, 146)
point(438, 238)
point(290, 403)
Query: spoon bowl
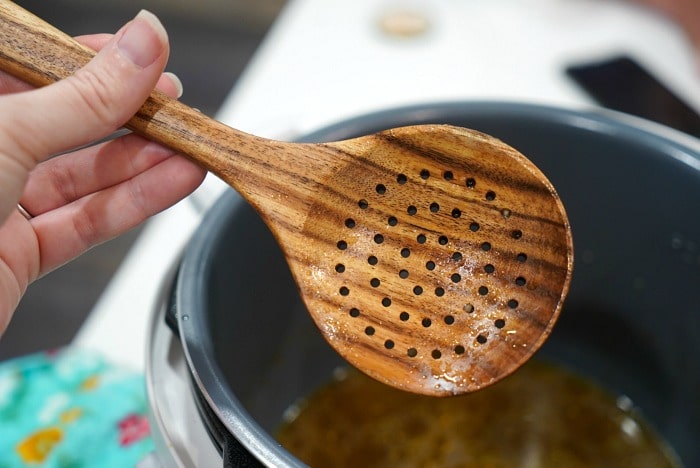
point(445, 256)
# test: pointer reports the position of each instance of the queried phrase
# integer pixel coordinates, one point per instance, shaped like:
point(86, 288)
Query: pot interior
point(632, 318)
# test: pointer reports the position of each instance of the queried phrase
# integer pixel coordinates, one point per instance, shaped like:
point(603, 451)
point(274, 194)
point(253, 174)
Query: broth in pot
point(541, 416)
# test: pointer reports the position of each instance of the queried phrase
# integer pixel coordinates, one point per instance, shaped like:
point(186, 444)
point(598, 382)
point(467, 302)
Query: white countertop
point(326, 60)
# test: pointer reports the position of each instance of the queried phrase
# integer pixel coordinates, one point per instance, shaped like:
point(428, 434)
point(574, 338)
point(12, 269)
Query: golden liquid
point(541, 416)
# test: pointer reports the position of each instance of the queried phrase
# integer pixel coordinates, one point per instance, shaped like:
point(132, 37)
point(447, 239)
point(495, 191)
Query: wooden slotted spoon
point(434, 258)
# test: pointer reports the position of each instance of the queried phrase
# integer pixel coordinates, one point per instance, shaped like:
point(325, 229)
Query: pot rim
point(197, 344)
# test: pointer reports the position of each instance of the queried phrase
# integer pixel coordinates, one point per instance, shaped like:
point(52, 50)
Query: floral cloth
point(71, 409)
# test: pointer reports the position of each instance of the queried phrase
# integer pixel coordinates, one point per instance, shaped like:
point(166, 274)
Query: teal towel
point(70, 408)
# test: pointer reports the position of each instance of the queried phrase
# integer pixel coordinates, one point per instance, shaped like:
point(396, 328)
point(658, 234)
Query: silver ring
point(24, 212)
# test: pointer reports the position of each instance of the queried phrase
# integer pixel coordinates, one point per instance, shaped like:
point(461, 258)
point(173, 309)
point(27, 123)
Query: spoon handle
point(39, 54)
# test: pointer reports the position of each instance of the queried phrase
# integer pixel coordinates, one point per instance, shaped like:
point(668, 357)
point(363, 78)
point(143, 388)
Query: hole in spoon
point(415, 241)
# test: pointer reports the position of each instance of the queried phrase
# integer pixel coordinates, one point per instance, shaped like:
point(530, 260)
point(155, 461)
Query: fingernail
point(143, 39)
point(175, 80)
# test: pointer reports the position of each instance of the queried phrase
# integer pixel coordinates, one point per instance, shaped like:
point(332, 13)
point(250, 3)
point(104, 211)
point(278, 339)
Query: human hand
point(85, 197)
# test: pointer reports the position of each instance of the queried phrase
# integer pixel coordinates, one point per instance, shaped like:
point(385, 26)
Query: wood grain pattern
point(434, 258)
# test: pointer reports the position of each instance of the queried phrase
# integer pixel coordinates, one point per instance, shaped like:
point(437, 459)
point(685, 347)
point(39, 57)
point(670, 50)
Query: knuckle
point(62, 180)
point(138, 198)
point(86, 229)
point(95, 92)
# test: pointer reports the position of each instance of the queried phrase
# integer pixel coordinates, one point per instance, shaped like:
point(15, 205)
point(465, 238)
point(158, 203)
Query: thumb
point(92, 103)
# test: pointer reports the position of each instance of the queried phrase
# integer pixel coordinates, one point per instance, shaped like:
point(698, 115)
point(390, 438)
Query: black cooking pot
point(631, 321)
